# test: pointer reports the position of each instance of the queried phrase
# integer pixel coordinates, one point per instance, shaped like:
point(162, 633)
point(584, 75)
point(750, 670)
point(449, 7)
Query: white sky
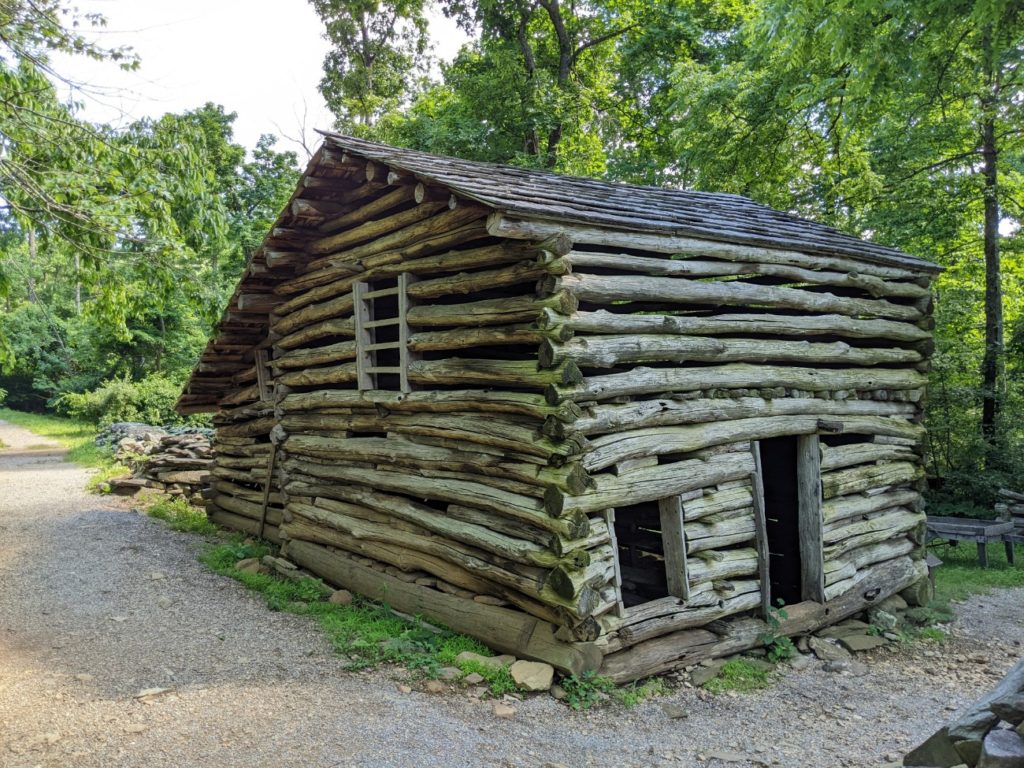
point(259, 58)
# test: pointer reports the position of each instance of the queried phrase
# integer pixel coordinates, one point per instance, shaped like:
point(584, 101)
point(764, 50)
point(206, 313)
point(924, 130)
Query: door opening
point(779, 467)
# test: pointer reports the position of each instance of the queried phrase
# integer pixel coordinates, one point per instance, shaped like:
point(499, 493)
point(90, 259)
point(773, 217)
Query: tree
point(899, 120)
point(377, 47)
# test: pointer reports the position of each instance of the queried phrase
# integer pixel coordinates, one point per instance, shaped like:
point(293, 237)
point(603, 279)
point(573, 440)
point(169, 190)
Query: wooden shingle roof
point(535, 194)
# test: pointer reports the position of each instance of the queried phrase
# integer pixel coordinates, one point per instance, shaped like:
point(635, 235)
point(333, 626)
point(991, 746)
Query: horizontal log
point(476, 494)
point(305, 358)
point(846, 507)
point(384, 237)
point(882, 528)
point(507, 433)
point(394, 450)
point(841, 456)
point(375, 229)
point(226, 519)
point(464, 338)
point(475, 282)
point(315, 332)
point(605, 322)
point(500, 225)
point(621, 262)
point(615, 288)
point(403, 194)
point(845, 566)
point(474, 534)
point(604, 418)
point(857, 479)
point(434, 401)
point(503, 629)
point(650, 483)
point(458, 371)
point(613, 351)
point(736, 375)
point(655, 441)
point(504, 311)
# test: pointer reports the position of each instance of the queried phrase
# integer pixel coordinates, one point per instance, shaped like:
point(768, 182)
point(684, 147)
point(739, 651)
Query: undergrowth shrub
point(150, 400)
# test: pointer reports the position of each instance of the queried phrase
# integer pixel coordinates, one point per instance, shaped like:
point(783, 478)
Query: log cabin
point(604, 426)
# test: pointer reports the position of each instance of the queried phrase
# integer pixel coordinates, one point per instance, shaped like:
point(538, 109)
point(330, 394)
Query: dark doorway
point(782, 516)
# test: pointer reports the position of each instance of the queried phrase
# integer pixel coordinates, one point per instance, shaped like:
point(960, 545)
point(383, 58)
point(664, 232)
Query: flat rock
point(495, 662)
point(532, 675)
point(703, 675)
point(557, 692)
point(249, 565)
point(449, 673)
point(882, 619)
point(503, 711)
point(1009, 708)
point(675, 711)
point(472, 678)
point(1002, 749)
point(859, 643)
point(827, 650)
point(340, 597)
point(434, 686)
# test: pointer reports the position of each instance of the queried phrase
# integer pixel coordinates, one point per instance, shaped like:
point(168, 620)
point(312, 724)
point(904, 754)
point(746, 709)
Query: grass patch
point(739, 675)
point(635, 693)
point(586, 690)
point(498, 678)
point(76, 436)
point(961, 576)
point(368, 633)
point(931, 634)
point(179, 515)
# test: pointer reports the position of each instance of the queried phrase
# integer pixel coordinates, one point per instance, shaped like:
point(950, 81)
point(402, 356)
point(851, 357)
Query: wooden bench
point(954, 529)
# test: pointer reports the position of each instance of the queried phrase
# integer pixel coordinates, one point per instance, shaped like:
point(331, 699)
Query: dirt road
point(98, 604)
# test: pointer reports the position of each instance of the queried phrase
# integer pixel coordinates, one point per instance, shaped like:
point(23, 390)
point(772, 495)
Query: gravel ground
point(98, 603)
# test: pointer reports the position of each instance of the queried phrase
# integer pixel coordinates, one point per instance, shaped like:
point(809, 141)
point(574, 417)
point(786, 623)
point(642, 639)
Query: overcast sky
point(259, 58)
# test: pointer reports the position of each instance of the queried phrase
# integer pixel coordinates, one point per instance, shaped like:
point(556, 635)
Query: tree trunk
point(992, 363)
point(32, 252)
point(78, 283)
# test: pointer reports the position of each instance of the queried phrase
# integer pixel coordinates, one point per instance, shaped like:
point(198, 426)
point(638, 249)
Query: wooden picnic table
point(954, 529)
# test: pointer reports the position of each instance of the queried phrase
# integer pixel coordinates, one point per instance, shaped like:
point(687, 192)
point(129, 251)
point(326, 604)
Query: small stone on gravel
point(473, 678)
point(504, 711)
point(434, 686)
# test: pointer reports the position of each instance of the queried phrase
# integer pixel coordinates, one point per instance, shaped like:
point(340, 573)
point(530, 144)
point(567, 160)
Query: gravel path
point(98, 603)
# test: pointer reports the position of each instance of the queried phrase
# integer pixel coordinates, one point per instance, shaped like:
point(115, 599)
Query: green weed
point(498, 678)
point(366, 632)
point(180, 515)
point(586, 690)
point(634, 693)
point(97, 482)
point(932, 634)
point(739, 675)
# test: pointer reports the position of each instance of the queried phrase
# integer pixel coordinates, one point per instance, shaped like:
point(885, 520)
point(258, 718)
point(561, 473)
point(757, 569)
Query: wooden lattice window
point(382, 333)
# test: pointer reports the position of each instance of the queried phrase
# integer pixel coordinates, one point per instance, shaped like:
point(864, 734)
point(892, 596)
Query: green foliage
point(150, 400)
point(586, 690)
point(98, 481)
point(739, 675)
point(368, 633)
point(180, 515)
point(932, 634)
point(377, 47)
point(498, 678)
point(639, 691)
point(779, 646)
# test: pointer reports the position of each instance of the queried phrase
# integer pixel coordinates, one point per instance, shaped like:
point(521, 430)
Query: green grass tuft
point(498, 678)
point(961, 576)
point(368, 633)
point(635, 693)
point(180, 515)
point(739, 675)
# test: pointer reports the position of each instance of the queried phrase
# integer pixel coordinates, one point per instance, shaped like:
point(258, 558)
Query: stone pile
point(990, 734)
point(176, 463)
point(1011, 507)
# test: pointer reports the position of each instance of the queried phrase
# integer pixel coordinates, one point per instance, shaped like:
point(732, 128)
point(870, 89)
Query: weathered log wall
point(562, 385)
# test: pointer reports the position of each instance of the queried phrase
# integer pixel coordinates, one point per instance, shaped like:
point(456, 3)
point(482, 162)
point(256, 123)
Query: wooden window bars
point(381, 326)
